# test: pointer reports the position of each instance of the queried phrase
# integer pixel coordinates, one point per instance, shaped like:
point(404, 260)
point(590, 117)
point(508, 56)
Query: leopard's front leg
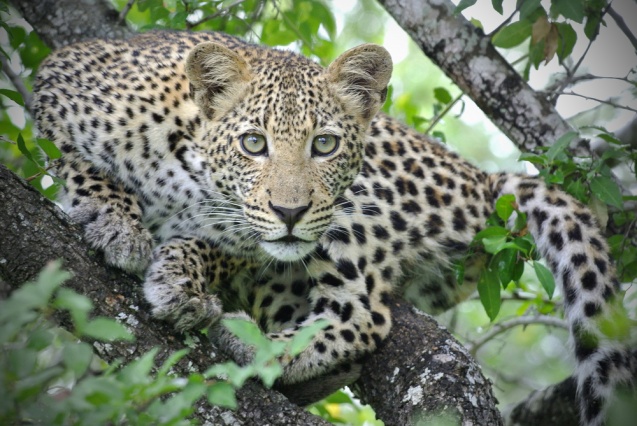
point(354, 304)
point(181, 278)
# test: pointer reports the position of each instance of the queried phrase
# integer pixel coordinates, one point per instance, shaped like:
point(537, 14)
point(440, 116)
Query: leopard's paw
point(173, 301)
point(198, 312)
point(125, 242)
point(225, 340)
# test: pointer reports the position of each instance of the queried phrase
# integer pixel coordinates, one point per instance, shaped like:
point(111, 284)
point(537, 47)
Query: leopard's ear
point(360, 77)
point(218, 77)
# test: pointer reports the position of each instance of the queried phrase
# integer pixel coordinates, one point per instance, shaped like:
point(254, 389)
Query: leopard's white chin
point(288, 251)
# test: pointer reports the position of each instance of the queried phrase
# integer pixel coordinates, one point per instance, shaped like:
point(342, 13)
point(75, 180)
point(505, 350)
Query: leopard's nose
point(289, 216)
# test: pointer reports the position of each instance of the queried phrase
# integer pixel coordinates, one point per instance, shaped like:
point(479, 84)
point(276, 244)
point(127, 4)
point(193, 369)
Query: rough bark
point(468, 58)
point(419, 370)
point(35, 231)
point(62, 22)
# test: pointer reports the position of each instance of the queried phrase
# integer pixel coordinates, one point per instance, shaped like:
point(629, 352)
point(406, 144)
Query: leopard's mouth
point(290, 239)
point(289, 248)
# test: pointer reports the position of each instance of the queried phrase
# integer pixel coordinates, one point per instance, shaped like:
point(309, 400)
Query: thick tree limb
point(468, 58)
point(62, 22)
point(35, 231)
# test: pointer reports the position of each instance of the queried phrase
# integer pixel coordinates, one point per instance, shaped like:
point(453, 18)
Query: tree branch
point(35, 231)
point(467, 56)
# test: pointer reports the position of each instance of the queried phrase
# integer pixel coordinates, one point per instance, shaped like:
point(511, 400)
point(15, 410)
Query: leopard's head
point(285, 137)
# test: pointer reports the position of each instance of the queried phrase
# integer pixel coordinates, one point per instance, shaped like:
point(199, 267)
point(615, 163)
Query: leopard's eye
point(324, 145)
point(254, 144)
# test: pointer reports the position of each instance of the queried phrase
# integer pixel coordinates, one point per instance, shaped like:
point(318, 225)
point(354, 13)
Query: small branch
point(17, 82)
point(122, 14)
point(622, 26)
point(217, 14)
point(601, 101)
point(442, 113)
point(519, 296)
point(504, 23)
point(584, 77)
point(512, 323)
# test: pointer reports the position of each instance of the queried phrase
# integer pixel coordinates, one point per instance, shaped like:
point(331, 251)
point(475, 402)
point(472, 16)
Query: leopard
point(243, 181)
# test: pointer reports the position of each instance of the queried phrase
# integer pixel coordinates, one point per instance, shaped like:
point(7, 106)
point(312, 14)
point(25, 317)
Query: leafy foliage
point(48, 375)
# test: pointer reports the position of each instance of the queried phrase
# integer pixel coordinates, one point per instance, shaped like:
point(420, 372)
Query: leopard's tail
point(570, 240)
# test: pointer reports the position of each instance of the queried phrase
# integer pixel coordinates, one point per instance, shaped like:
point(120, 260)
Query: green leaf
point(23, 148)
point(574, 10)
point(528, 7)
point(503, 262)
point(462, 5)
point(77, 357)
point(494, 244)
point(40, 339)
point(246, 331)
point(560, 145)
point(13, 95)
point(566, 40)
point(222, 394)
point(513, 34)
point(546, 278)
point(517, 269)
point(49, 148)
point(304, 336)
point(77, 304)
point(459, 271)
point(492, 231)
point(21, 362)
point(269, 373)
point(34, 295)
point(609, 138)
point(489, 291)
point(497, 5)
point(520, 222)
point(137, 371)
point(234, 373)
point(533, 158)
point(442, 95)
point(504, 206)
point(105, 329)
point(607, 190)
point(171, 361)
point(33, 384)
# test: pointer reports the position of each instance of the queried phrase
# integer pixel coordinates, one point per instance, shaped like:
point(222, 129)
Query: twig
point(622, 26)
point(584, 77)
point(217, 14)
point(122, 14)
point(519, 296)
point(506, 21)
point(442, 113)
point(507, 325)
point(601, 101)
point(17, 82)
point(570, 73)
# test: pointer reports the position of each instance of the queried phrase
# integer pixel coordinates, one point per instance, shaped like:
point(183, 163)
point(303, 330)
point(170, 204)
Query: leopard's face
point(285, 156)
point(284, 140)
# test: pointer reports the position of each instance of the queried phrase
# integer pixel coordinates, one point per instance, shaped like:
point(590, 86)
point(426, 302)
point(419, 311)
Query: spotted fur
point(155, 133)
